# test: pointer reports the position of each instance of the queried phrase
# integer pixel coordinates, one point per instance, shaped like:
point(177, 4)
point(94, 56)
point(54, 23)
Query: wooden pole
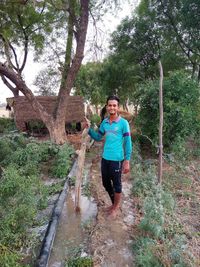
point(79, 172)
point(160, 170)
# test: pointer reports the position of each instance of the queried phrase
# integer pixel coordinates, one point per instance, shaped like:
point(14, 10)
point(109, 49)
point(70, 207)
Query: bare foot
point(108, 209)
point(113, 214)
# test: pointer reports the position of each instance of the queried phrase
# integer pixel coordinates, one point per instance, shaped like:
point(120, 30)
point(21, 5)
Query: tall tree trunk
point(57, 132)
point(68, 51)
point(160, 170)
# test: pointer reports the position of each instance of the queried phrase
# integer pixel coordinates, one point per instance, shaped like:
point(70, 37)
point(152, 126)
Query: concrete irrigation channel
point(64, 231)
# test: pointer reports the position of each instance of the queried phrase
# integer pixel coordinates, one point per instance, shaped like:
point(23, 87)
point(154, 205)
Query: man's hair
point(112, 97)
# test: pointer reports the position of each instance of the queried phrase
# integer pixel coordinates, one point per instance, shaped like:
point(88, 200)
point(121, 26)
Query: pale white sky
point(110, 23)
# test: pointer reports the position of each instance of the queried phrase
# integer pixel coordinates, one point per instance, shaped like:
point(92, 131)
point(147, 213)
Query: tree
point(180, 18)
point(47, 82)
point(89, 84)
point(77, 25)
point(28, 24)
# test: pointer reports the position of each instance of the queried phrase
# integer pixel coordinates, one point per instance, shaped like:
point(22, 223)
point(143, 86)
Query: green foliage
point(22, 192)
point(153, 219)
point(87, 189)
point(63, 161)
point(145, 182)
point(5, 149)
point(21, 197)
point(89, 83)
point(9, 258)
point(55, 188)
point(162, 240)
point(143, 249)
point(36, 126)
point(181, 105)
point(95, 119)
point(79, 262)
point(6, 125)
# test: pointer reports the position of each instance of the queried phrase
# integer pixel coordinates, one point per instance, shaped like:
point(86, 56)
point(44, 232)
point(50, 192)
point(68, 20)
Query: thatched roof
point(23, 111)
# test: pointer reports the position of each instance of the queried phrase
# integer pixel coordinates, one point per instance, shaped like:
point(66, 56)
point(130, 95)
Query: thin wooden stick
point(160, 170)
point(79, 172)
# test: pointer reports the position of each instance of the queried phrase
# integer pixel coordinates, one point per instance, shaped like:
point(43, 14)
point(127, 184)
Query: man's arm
point(97, 136)
point(127, 148)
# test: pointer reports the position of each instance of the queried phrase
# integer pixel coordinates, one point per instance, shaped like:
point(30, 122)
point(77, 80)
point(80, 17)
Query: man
point(116, 153)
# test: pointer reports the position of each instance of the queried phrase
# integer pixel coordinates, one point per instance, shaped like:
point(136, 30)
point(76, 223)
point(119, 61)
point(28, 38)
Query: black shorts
point(111, 175)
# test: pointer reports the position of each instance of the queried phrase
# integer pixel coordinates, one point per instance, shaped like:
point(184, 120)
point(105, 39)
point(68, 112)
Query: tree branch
point(14, 90)
point(7, 45)
point(25, 45)
point(20, 84)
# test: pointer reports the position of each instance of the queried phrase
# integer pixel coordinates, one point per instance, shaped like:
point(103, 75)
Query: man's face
point(112, 107)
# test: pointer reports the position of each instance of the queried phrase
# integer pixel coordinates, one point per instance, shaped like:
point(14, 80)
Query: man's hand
point(86, 123)
point(126, 166)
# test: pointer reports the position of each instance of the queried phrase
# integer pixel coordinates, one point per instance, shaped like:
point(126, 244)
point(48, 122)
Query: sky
point(109, 24)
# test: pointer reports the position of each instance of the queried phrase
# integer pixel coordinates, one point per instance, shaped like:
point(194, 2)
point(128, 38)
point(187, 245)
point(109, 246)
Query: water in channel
point(70, 235)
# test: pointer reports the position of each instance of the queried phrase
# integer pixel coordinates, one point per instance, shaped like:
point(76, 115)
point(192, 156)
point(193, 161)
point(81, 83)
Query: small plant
point(143, 249)
point(79, 262)
point(154, 216)
point(63, 161)
point(86, 189)
point(9, 258)
point(145, 181)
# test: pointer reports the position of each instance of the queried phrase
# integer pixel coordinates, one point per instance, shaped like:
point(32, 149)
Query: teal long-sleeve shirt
point(118, 145)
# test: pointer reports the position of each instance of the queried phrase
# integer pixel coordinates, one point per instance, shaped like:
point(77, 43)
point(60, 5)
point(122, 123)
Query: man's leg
point(116, 174)
point(106, 180)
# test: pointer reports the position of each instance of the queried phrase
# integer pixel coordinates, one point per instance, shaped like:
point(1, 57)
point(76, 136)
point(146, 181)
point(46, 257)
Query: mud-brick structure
point(24, 113)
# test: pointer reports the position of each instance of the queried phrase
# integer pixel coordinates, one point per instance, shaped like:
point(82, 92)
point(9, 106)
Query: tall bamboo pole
point(160, 170)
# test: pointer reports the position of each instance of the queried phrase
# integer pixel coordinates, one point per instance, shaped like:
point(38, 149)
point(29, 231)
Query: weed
point(79, 262)
point(86, 189)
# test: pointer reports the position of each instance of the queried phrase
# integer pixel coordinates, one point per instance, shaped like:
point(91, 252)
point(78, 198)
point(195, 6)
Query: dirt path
point(111, 241)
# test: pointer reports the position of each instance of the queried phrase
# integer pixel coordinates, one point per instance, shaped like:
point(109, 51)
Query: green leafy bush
point(9, 258)
point(6, 125)
point(21, 196)
point(37, 127)
point(22, 192)
point(145, 181)
point(181, 100)
point(143, 249)
point(63, 161)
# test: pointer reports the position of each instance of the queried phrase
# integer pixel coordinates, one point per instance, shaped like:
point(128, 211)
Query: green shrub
point(63, 161)
point(144, 256)
point(21, 196)
point(79, 262)
point(6, 125)
point(9, 258)
point(145, 181)
point(181, 96)
point(5, 149)
point(36, 126)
